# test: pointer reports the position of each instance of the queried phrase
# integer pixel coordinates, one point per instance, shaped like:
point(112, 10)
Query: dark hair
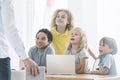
point(47, 32)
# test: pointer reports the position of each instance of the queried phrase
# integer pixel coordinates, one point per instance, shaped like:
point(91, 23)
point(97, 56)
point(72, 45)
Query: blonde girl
point(61, 25)
point(78, 47)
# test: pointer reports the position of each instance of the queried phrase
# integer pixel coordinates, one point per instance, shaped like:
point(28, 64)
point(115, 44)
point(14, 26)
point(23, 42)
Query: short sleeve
point(108, 61)
point(83, 54)
point(50, 50)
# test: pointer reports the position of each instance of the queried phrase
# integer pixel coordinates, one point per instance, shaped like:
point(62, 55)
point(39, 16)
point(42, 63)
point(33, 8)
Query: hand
point(32, 67)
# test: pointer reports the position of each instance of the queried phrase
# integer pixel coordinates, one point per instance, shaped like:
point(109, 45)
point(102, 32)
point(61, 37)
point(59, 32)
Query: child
point(61, 25)
point(107, 48)
point(38, 53)
point(78, 47)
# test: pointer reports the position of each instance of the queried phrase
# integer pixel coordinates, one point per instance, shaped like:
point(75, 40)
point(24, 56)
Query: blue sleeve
point(108, 61)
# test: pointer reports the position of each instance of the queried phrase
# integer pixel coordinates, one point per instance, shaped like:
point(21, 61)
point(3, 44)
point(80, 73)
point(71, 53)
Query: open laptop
point(41, 76)
point(60, 64)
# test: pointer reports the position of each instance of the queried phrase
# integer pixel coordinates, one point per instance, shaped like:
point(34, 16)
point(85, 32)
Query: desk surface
point(82, 77)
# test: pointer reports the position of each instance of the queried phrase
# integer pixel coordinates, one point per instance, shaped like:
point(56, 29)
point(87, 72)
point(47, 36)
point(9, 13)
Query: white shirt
point(9, 31)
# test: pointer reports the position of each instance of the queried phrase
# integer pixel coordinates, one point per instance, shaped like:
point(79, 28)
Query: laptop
point(18, 75)
point(41, 76)
point(60, 64)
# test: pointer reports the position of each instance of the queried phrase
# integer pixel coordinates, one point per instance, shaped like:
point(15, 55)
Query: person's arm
point(8, 21)
point(92, 54)
point(21, 64)
point(100, 72)
point(80, 68)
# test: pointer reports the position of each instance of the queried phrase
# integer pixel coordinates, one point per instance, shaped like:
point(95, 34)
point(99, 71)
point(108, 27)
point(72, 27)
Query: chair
point(95, 65)
point(21, 65)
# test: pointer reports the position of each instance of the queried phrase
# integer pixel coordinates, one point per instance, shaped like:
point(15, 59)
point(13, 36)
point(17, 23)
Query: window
point(98, 18)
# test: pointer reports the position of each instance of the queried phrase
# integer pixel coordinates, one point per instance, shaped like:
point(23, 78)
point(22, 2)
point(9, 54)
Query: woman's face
point(103, 48)
point(41, 40)
point(61, 19)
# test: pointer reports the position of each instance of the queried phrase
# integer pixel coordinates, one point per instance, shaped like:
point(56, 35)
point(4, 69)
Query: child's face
point(61, 19)
point(75, 37)
point(41, 40)
point(103, 48)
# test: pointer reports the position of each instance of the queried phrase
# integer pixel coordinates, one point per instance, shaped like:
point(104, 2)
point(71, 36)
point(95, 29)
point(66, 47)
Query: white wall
point(108, 12)
point(85, 16)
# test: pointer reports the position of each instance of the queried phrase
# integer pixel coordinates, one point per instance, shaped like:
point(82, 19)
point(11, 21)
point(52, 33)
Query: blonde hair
point(83, 39)
point(111, 44)
point(69, 18)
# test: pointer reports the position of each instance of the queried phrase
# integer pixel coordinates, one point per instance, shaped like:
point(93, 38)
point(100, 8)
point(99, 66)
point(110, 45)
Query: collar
point(102, 56)
point(57, 33)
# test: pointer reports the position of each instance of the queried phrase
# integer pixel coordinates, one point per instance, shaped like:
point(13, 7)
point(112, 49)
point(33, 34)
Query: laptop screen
point(60, 64)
